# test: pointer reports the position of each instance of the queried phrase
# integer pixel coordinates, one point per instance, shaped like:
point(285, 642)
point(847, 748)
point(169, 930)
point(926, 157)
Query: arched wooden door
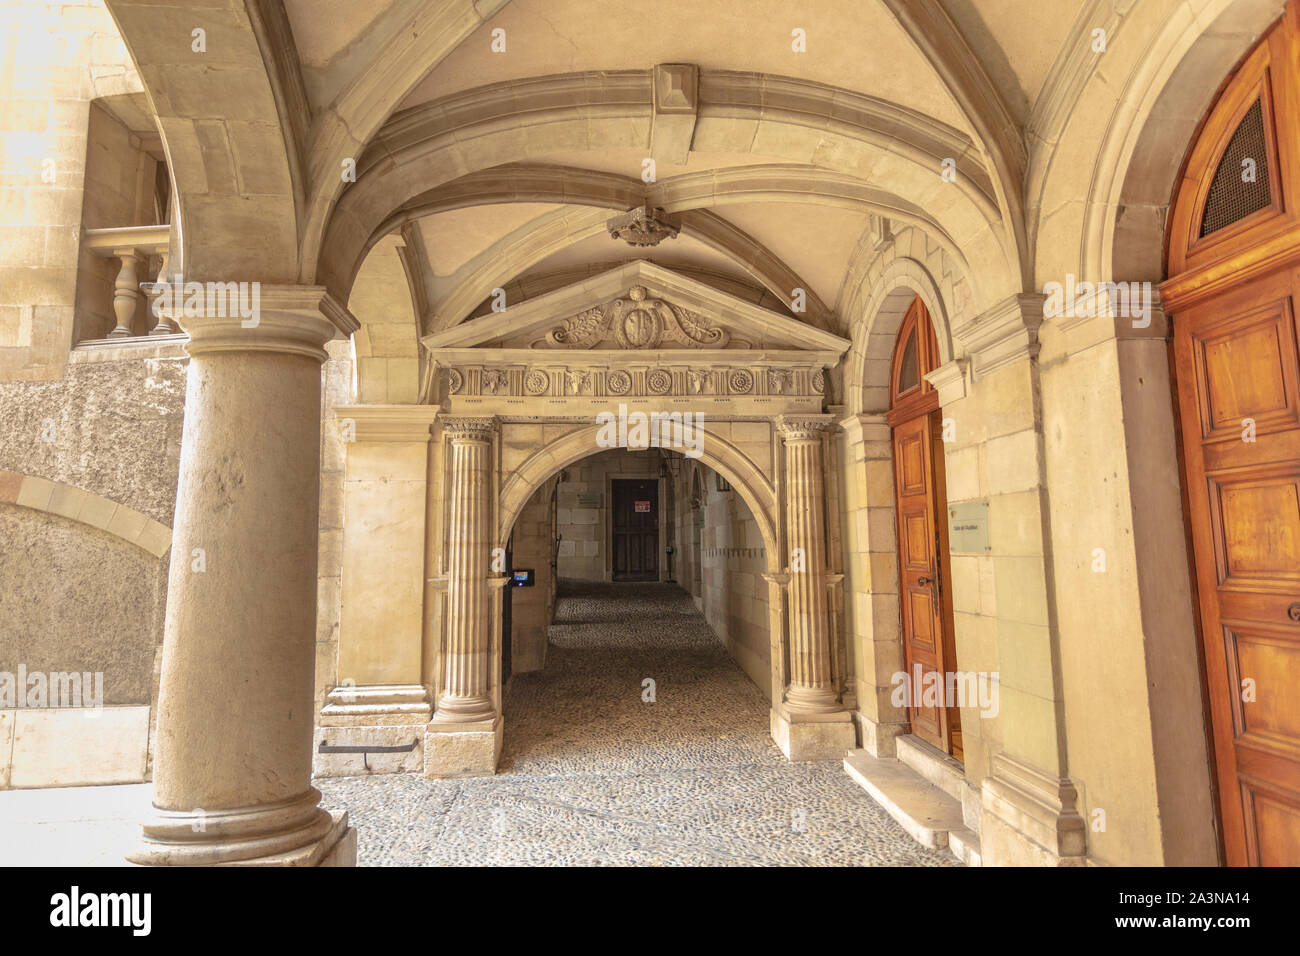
point(1233, 295)
point(921, 502)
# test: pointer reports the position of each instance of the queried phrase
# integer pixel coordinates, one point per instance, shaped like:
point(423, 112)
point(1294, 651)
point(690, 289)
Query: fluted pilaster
point(465, 694)
point(811, 688)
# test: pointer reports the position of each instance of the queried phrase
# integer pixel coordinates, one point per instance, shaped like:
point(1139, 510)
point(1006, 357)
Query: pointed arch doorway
point(920, 501)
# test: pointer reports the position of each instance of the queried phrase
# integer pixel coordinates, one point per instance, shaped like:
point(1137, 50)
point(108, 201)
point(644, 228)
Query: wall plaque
point(968, 527)
point(589, 501)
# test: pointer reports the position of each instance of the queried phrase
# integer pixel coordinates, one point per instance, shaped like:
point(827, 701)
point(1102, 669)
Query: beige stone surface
point(77, 746)
point(484, 181)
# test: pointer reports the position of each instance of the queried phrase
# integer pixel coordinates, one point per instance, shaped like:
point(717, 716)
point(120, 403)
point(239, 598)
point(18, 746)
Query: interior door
point(636, 529)
point(922, 562)
point(1238, 368)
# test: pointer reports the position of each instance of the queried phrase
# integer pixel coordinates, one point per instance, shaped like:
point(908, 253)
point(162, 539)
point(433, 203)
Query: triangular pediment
point(639, 306)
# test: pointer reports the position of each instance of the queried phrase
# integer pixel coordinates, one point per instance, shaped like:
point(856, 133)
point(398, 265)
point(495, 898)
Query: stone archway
point(867, 371)
point(720, 454)
point(567, 374)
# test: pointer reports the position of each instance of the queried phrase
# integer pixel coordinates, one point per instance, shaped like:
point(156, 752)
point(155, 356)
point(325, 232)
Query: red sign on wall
point(643, 506)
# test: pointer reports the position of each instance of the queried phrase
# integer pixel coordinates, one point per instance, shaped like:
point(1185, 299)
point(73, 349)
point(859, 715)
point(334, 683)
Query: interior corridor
point(593, 773)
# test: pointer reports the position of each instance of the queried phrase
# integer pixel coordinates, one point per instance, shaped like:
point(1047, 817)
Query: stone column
point(464, 736)
point(811, 723)
point(232, 775)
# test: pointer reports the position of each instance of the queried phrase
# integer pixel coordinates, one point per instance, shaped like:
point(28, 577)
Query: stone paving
point(592, 774)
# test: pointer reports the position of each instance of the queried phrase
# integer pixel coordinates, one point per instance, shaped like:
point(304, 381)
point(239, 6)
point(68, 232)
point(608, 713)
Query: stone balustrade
point(133, 246)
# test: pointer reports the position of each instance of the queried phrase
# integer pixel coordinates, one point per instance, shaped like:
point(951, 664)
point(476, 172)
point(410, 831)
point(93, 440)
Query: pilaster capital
point(1003, 334)
point(1112, 310)
point(864, 428)
point(467, 430)
point(252, 316)
point(801, 428)
point(949, 380)
point(387, 423)
point(780, 578)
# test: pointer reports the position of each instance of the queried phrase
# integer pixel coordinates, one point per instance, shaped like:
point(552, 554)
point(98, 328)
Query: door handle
point(935, 592)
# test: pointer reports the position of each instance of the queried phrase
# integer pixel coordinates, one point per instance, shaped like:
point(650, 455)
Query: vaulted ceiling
point(493, 139)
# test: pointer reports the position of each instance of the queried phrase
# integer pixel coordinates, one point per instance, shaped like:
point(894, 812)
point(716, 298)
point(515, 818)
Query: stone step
point(921, 808)
point(933, 764)
point(965, 846)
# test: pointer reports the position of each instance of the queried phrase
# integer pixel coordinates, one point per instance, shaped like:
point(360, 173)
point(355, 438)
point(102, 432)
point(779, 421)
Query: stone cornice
point(536, 317)
point(388, 423)
point(1006, 333)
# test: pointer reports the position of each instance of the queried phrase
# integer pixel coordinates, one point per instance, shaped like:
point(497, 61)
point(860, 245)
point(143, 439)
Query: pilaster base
point(462, 749)
point(1029, 818)
point(827, 737)
point(371, 729)
point(878, 738)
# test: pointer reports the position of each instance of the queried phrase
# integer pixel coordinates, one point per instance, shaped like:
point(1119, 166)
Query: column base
point(462, 749)
point(1028, 818)
point(294, 833)
point(813, 737)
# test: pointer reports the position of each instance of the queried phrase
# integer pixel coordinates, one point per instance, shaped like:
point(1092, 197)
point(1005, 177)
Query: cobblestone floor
point(593, 774)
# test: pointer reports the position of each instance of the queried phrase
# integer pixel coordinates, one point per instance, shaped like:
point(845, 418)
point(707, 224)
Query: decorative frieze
point(634, 381)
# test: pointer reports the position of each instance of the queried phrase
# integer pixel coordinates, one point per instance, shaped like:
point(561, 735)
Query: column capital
point(468, 429)
point(795, 428)
point(254, 316)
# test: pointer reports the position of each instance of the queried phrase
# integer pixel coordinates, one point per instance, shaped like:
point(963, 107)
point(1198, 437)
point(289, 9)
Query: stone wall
point(734, 595)
point(90, 464)
point(57, 59)
point(532, 609)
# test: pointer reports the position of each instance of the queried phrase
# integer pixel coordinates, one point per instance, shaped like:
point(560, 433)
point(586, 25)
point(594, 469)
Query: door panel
point(1237, 362)
point(921, 572)
point(636, 529)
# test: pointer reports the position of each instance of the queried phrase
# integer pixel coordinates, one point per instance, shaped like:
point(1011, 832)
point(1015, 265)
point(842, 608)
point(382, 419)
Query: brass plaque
point(589, 501)
point(968, 527)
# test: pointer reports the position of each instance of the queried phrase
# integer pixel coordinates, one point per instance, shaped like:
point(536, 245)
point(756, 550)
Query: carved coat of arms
point(637, 322)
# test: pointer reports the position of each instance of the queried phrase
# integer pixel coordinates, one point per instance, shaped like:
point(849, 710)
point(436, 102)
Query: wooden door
point(921, 506)
point(1234, 282)
point(636, 529)
point(1238, 371)
point(922, 568)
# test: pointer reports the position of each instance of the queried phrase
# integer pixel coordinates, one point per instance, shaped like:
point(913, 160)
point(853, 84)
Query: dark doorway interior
point(636, 529)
